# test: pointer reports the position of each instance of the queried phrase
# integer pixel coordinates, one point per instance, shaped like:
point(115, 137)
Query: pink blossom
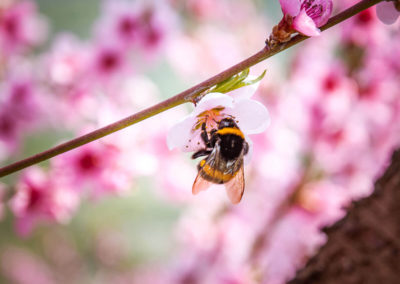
point(152, 30)
point(251, 116)
point(364, 29)
point(119, 22)
point(22, 99)
point(10, 132)
point(307, 15)
point(96, 167)
point(67, 61)
point(297, 233)
point(133, 24)
point(19, 110)
point(40, 197)
point(108, 60)
point(388, 11)
point(21, 27)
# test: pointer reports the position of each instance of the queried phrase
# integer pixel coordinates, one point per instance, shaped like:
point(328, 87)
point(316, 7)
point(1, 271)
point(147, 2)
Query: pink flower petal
point(305, 25)
point(252, 115)
point(387, 12)
point(291, 7)
point(319, 11)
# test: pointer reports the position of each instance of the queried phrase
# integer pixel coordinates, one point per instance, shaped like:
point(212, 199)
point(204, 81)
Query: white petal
point(252, 115)
point(213, 100)
point(182, 137)
point(249, 155)
point(179, 134)
point(247, 91)
point(194, 143)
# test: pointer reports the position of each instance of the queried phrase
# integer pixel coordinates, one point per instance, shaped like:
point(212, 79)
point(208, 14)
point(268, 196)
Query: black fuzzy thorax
point(231, 146)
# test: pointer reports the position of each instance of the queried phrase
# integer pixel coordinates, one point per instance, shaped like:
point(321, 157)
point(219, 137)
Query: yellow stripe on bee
point(216, 174)
point(231, 130)
point(202, 162)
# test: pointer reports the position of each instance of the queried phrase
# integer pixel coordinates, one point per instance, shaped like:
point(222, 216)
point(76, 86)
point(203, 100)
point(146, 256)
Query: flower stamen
point(209, 117)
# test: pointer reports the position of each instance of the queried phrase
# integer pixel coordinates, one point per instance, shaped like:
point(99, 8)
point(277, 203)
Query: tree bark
point(363, 247)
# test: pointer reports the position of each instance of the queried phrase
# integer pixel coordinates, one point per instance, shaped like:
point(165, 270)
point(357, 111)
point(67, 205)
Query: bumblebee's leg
point(204, 135)
point(213, 139)
point(245, 148)
point(200, 153)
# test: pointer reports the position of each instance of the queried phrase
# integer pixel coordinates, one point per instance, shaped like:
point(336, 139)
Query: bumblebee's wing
point(235, 187)
point(212, 162)
point(200, 184)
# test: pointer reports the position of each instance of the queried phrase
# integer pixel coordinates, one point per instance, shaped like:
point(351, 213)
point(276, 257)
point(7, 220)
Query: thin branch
point(190, 95)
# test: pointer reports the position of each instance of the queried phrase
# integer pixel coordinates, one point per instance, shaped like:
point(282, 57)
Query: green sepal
point(235, 82)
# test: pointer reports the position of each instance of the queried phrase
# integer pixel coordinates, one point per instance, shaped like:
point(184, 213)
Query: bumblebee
point(223, 164)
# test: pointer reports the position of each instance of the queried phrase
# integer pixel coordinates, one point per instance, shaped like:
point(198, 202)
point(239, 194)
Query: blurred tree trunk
point(364, 247)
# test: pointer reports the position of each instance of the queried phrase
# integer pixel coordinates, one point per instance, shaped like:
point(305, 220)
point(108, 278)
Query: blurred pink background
point(120, 210)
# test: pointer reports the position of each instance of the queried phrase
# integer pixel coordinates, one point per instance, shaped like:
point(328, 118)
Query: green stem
point(190, 95)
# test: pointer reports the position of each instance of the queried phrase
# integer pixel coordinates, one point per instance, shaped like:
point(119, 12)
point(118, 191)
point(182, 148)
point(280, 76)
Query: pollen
point(209, 117)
